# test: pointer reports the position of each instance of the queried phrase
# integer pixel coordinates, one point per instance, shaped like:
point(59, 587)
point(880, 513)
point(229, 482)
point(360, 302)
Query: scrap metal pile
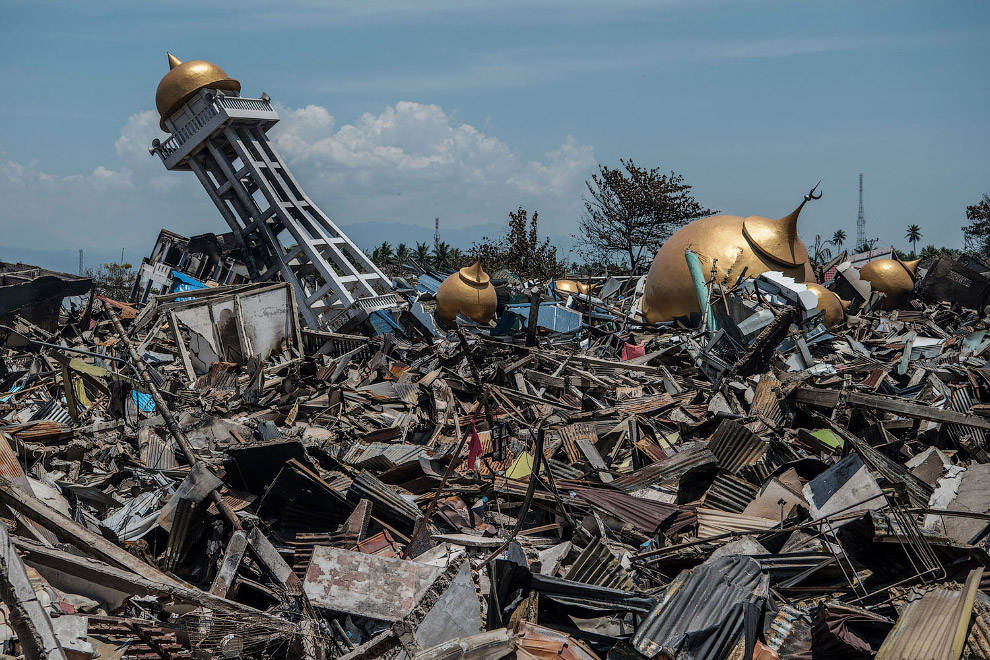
point(204, 478)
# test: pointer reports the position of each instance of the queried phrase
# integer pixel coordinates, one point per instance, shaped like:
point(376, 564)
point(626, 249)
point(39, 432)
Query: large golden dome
point(828, 302)
point(469, 291)
point(895, 278)
point(754, 244)
point(185, 79)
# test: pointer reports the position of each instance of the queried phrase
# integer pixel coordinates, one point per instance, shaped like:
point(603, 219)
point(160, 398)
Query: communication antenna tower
point(861, 220)
point(436, 232)
point(80, 262)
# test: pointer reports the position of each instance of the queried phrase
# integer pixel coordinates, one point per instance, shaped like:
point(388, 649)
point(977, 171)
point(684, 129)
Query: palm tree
point(838, 238)
point(383, 254)
point(913, 235)
point(455, 257)
point(402, 253)
point(422, 253)
point(441, 255)
point(820, 254)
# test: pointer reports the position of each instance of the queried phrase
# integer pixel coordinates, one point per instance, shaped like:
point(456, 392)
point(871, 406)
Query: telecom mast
point(861, 220)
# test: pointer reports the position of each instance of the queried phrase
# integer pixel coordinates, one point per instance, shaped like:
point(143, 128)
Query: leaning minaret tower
point(222, 137)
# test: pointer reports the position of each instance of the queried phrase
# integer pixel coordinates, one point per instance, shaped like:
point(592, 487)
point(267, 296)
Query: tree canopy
point(520, 250)
point(977, 232)
point(631, 211)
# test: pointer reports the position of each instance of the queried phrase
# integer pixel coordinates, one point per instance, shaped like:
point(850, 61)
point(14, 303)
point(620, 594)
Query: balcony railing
point(174, 143)
point(221, 106)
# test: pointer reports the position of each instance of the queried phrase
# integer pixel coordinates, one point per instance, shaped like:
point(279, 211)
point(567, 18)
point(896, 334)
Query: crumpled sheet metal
point(934, 626)
point(701, 616)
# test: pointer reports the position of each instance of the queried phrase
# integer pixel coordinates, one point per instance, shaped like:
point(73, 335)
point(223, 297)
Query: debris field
point(204, 477)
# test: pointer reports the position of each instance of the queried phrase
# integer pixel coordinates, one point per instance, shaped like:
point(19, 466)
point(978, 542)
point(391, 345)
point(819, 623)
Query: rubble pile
point(203, 477)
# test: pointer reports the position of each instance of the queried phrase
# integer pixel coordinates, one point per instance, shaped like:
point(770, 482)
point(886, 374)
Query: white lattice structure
point(223, 139)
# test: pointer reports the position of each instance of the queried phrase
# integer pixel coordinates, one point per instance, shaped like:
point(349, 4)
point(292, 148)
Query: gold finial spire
point(778, 239)
point(173, 61)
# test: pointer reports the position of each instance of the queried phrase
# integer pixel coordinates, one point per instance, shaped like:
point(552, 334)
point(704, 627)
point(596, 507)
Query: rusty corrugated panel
point(978, 642)
point(712, 523)
point(790, 631)
point(933, 626)
point(388, 505)
point(571, 434)
point(729, 493)
point(645, 404)
point(735, 446)
point(701, 615)
point(645, 515)
point(597, 565)
point(766, 401)
point(961, 401)
point(356, 583)
point(545, 644)
point(667, 471)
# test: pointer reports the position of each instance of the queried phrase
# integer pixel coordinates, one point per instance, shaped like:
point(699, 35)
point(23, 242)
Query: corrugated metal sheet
point(934, 626)
point(729, 493)
point(712, 523)
point(645, 404)
point(735, 446)
point(701, 615)
point(571, 434)
point(668, 471)
point(380, 456)
point(388, 505)
point(597, 565)
point(645, 515)
point(766, 401)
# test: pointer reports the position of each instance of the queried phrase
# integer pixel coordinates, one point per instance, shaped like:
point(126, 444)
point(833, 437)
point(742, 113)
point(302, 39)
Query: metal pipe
point(700, 288)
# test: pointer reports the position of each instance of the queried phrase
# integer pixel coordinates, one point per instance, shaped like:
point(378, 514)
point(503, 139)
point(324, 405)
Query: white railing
point(241, 103)
point(174, 143)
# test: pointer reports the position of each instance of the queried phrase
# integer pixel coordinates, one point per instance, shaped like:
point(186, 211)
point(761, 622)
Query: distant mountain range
point(366, 235)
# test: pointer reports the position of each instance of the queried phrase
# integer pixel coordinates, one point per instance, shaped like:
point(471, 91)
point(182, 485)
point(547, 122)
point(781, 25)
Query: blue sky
point(395, 112)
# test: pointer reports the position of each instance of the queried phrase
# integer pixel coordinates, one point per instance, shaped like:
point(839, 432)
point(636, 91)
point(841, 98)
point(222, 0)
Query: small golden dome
point(754, 244)
point(893, 277)
point(572, 286)
point(469, 291)
point(833, 306)
point(184, 79)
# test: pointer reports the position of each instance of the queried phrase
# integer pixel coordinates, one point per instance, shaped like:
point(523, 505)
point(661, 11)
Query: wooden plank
point(832, 398)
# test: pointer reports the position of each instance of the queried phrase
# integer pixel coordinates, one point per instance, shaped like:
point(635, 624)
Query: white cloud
point(405, 164)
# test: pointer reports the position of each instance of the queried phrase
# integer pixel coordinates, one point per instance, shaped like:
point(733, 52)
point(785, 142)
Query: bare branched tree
point(631, 211)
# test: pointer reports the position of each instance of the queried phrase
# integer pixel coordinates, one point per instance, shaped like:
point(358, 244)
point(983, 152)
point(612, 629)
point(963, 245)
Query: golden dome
point(833, 306)
point(893, 277)
point(469, 291)
point(755, 244)
point(184, 79)
point(572, 286)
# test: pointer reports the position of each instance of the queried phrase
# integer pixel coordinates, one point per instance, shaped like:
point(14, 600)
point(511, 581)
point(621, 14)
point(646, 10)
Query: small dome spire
point(184, 79)
point(173, 61)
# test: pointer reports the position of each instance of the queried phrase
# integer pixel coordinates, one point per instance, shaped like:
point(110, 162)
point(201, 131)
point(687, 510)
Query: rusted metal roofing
point(713, 523)
point(668, 471)
point(571, 434)
point(735, 446)
point(934, 626)
point(766, 401)
point(597, 565)
point(701, 615)
point(645, 515)
point(729, 493)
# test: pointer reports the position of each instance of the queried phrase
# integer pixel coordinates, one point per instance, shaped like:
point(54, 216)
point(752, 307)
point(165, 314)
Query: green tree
point(383, 254)
point(913, 235)
point(402, 253)
point(422, 253)
point(838, 238)
point(632, 210)
point(819, 252)
point(977, 232)
point(520, 251)
point(441, 255)
point(113, 280)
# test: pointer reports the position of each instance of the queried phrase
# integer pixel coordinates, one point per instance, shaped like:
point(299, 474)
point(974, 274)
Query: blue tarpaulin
point(552, 316)
point(143, 401)
point(182, 282)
